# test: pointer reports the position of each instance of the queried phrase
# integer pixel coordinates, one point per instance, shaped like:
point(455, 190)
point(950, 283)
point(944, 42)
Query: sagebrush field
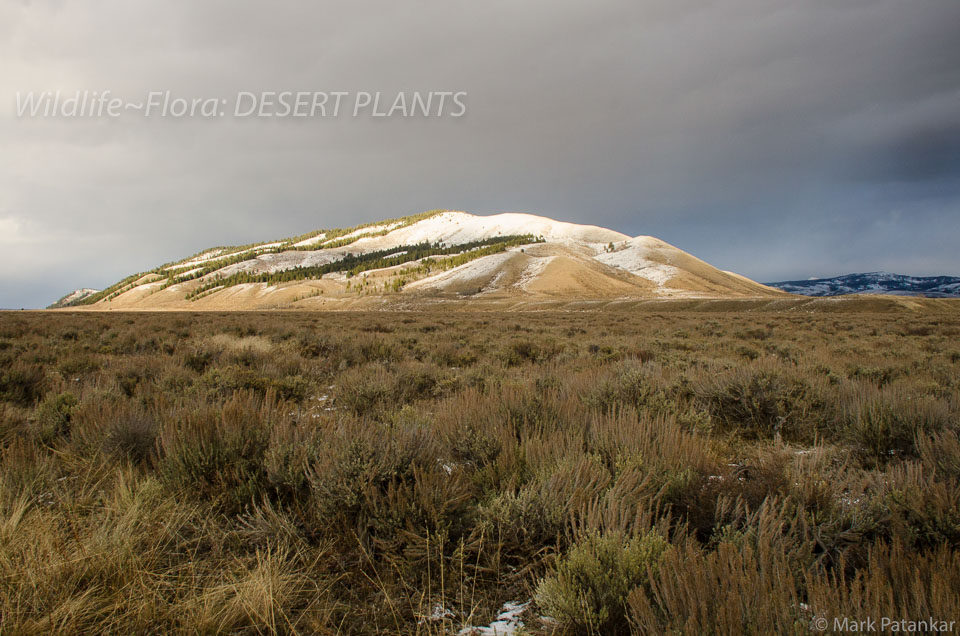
point(323, 473)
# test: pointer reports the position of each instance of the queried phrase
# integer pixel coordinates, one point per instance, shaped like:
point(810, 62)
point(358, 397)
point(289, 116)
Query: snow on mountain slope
point(370, 229)
point(875, 283)
point(503, 256)
point(643, 256)
point(74, 297)
point(455, 228)
point(449, 228)
point(313, 240)
point(472, 276)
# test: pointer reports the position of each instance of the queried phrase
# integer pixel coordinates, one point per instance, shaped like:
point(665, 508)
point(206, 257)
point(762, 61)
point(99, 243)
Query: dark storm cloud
point(777, 139)
point(923, 155)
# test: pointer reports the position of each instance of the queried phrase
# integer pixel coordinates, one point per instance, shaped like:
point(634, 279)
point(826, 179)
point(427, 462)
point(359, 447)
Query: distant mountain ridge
point(433, 256)
point(875, 283)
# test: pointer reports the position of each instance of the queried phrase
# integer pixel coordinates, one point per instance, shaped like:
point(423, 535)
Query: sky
point(781, 140)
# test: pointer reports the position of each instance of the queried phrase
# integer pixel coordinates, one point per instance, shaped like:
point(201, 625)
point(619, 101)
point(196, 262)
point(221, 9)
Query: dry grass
point(690, 473)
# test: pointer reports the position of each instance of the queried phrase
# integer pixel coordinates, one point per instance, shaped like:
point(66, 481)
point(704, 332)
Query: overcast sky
point(773, 138)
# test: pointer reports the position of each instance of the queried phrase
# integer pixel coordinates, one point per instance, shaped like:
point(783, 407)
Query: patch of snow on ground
point(217, 254)
point(206, 256)
point(478, 268)
point(533, 269)
point(634, 260)
point(268, 246)
point(373, 229)
point(438, 614)
point(203, 258)
point(155, 285)
point(270, 263)
point(507, 622)
point(494, 283)
point(311, 240)
point(78, 294)
point(657, 273)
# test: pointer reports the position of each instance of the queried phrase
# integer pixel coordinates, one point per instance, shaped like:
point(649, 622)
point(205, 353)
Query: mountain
point(875, 283)
point(74, 298)
point(434, 256)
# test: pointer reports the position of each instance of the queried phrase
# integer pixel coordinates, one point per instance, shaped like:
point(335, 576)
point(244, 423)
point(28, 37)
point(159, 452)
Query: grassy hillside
point(644, 471)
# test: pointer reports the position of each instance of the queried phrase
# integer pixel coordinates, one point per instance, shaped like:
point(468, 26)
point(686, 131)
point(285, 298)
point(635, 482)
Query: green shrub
point(588, 591)
point(524, 526)
point(53, 416)
point(224, 381)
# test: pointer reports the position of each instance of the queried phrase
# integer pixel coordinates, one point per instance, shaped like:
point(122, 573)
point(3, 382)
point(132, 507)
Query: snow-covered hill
point(875, 283)
point(74, 297)
point(439, 254)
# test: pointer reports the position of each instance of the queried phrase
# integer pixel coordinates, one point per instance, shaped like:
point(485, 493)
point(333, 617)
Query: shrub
point(758, 402)
point(524, 351)
point(132, 436)
point(895, 582)
point(21, 383)
point(371, 391)
point(217, 454)
point(224, 381)
point(374, 484)
point(588, 591)
point(884, 425)
point(923, 512)
point(77, 365)
point(198, 360)
point(524, 526)
point(53, 416)
point(730, 590)
point(635, 385)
